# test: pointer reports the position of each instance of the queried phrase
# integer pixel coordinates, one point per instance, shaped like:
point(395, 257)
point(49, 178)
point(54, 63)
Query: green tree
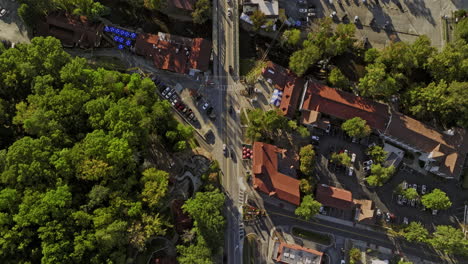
point(371, 55)
point(450, 240)
point(307, 159)
point(265, 125)
point(301, 60)
point(308, 208)
point(377, 154)
point(461, 29)
point(436, 200)
point(198, 253)
point(338, 79)
point(377, 83)
point(422, 50)
point(202, 11)
point(380, 175)
point(356, 127)
point(206, 211)
point(305, 186)
point(415, 232)
point(451, 64)
point(354, 255)
point(156, 183)
point(341, 158)
point(291, 37)
point(258, 19)
point(410, 193)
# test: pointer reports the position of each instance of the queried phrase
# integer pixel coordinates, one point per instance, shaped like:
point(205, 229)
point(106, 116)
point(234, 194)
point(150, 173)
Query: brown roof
point(321, 98)
point(366, 210)
point(286, 81)
point(448, 149)
point(300, 254)
point(72, 30)
point(188, 5)
point(334, 197)
point(267, 177)
point(174, 53)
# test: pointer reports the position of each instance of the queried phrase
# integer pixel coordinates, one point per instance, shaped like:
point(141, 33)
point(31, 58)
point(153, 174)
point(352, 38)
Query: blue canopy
point(128, 42)
point(127, 34)
point(133, 35)
point(106, 29)
point(120, 46)
point(298, 23)
point(116, 38)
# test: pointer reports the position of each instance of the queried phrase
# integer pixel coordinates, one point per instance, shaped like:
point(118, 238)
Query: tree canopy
point(356, 127)
point(307, 159)
point(377, 154)
point(308, 207)
point(415, 232)
point(449, 239)
point(436, 200)
point(380, 175)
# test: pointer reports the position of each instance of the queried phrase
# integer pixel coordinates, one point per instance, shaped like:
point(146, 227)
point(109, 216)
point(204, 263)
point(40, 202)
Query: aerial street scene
point(234, 131)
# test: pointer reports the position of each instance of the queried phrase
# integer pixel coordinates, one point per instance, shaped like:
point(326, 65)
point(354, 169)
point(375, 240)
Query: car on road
point(229, 12)
point(423, 189)
point(353, 157)
point(367, 163)
point(322, 210)
point(387, 217)
point(224, 149)
point(350, 171)
point(205, 106)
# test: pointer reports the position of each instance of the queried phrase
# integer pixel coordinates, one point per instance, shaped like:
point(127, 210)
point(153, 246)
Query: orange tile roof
point(366, 210)
point(266, 176)
point(334, 197)
point(321, 98)
point(314, 255)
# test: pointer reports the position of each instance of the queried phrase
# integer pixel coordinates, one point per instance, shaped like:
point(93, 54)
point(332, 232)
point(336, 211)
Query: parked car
point(423, 189)
point(165, 91)
point(404, 185)
point(327, 130)
point(413, 202)
point(434, 212)
point(404, 200)
point(353, 157)
point(387, 217)
point(415, 186)
point(350, 171)
point(405, 220)
point(205, 106)
point(302, 10)
point(322, 210)
point(316, 138)
point(378, 213)
point(229, 12)
point(354, 140)
point(225, 149)
point(346, 151)
point(367, 169)
point(367, 163)
point(3, 12)
point(169, 94)
point(400, 199)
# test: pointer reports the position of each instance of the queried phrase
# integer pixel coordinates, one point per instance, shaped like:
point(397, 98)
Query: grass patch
point(312, 236)
point(246, 66)
point(193, 143)
point(243, 117)
point(108, 63)
point(250, 247)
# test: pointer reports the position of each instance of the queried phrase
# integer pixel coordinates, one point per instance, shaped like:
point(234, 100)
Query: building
point(364, 211)
point(320, 102)
point(71, 30)
point(268, 7)
point(295, 254)
point(274, 171)
point(442, 153)
point(175, 53)
point(334, 197)
point(288, 83)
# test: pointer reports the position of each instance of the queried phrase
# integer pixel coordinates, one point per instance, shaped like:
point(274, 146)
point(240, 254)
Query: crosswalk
point(241, 223)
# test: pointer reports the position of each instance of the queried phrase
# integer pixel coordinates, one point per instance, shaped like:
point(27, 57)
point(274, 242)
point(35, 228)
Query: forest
point(73, 188)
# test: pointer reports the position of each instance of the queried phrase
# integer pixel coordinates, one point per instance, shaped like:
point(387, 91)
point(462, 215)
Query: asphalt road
point(285, 218)
point(225, 36)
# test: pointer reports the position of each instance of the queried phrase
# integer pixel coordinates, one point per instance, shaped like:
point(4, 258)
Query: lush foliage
point(305, 186)
point(307, 159)
point(410, 193)
point(341, 158)
point(265, 125)
point(202, 11)
point(436, 200)
point(258, 19)
point(308, 207)
point(73, 142)
point(377, 154)
point(338, 79)
point(379, 175)
point(356, 127)
point(354, 255)
point(461, 29)
point(415, 232)
point(291, 37)
point(449, 239)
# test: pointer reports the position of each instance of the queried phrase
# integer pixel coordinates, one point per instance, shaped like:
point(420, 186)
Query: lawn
point(312, 236)
point(250, 247)
point(108, 63)
point(246, 65)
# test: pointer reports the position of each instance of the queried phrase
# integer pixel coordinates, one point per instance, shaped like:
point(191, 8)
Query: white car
point(405, 220)
point(229, 12)
point(205, 106)
point(3, 12)
point(346, 151)
point(367, 168)
point(367, 163)
point(405, 185)
point(322, 210)
point(302, 10)
point(423, 189)
point(353, 157)
point(343, 261)
point(351, 170)
point(316, 138)
point(434, 212)
point(379, 213)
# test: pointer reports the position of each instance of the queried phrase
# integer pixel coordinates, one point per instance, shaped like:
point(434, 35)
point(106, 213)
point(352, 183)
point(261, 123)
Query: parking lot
point(12, 28)
point(385, 198)
point(406, 19)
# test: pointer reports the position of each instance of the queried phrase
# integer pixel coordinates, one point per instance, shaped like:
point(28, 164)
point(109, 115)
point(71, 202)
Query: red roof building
point(334, 197)
point(295, 254)
point(175, 53)
point(287, 82)
point(319, 98)
point(270, 165)
point(72, 30)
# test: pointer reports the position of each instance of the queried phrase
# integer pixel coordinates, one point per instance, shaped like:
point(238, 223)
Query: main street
point(225, 63)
